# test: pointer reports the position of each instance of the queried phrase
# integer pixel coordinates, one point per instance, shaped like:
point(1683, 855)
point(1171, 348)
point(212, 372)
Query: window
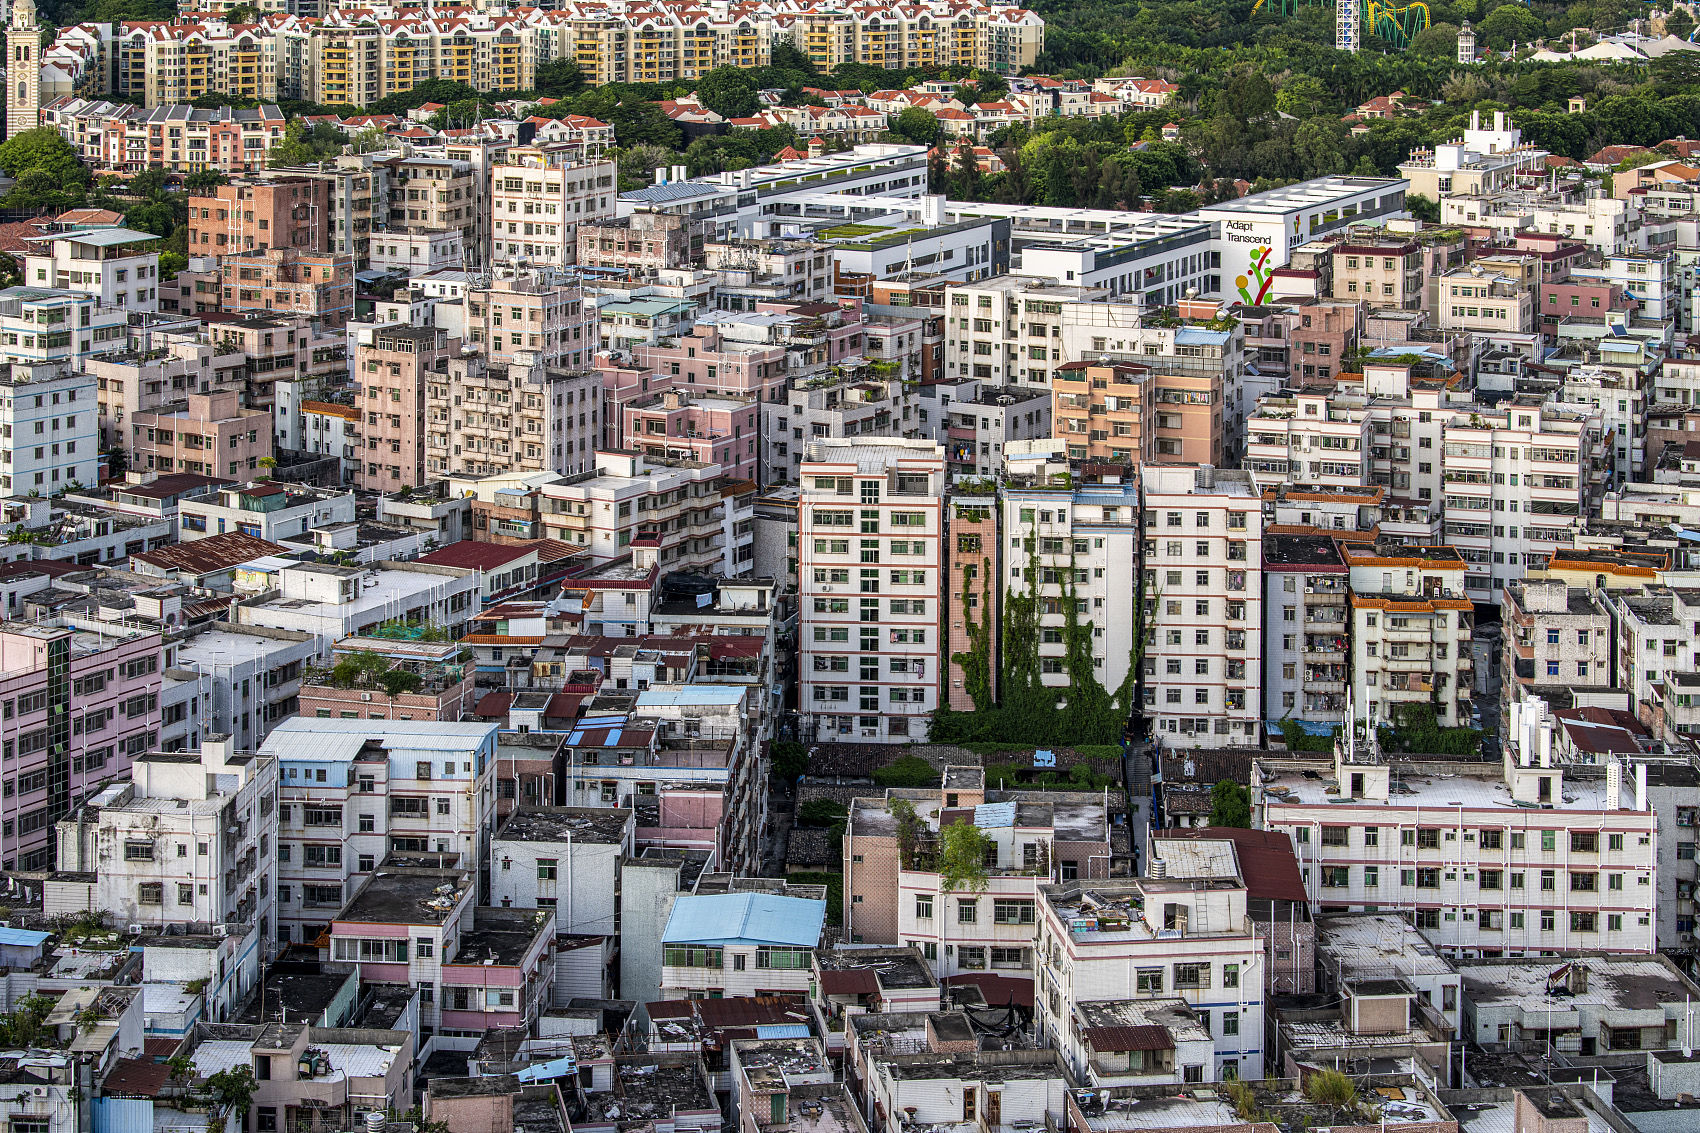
point(692, 956)
point(924, 908)
point(546, 869)
point(1012, 912)
point(150, 893)
point(1230, 1022)
point(321, 857)
point(1335, 836)
point(1192, 976)
point(1149, 980)
point(785, 959)
point(1584, 842)
point(967, 911)
point(1491, 839)
point(1230, 975)
point(138, 851)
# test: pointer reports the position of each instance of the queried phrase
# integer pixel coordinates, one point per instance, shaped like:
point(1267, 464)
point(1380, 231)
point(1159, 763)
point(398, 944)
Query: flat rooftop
point(897, 968)
point(1370, 942)
point(1441, 785)
point(407, 896)
point(1621, 983)
point(599, 825)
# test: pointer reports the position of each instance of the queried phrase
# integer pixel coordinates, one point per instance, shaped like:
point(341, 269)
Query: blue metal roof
point(782, 1031)
point(24, 936)
point(1199, 336)
point(673, 191)
point(549, 1071)
point(745, 918)
point(691, 694)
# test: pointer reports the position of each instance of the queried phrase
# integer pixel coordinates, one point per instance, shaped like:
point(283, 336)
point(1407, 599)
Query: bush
point(1330, 1087)
point(908, 771)
point(834, 883)
point(821, 812)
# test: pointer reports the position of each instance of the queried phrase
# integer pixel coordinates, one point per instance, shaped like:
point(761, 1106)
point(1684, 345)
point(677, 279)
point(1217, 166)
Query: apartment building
point(1304, 628)
point(526, 318)
point(185, 839)
point(1177, 952)
point(563, 858)
point(706, 428)
point(48, 325)
point(116, 265)
point(1477, 856)
point(1655, 657)
point(1481, 160)
point(51, 419)
point(977, 424)
point(254, 216)
point(431, 193)
point(392, 374)
point(539, 195)
point(769, 939)
point(1128, 413)
point(352, 792)
point(334, 602)
point(844, 403)
point(894, 893)
point(1409, 643)
point(1516, 480)
point(1557, 636)
point(642, 243)
point(885, 496)
point(207, 433)
point(1379, 273)
point(120, 137)
point(1069, 537)
point(284, 281)
point(1204, 608)
point(80, 706)
point(679, 511)
point(483, 418)
point(1473, 300)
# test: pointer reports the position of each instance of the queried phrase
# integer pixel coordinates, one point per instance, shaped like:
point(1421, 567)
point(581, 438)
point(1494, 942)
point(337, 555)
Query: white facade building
point(102, 262)
point(566, 859)
point(1203, 556)
point(188, 839)
point(352, 792)
point(51, 424)
point(1534, 860)
point(539, 197)
point(868, 560)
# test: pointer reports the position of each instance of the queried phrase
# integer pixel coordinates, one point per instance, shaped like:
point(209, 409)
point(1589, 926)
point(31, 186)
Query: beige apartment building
point(1124, 412)
point(433, 194)
point(539, 195)
point(390, 377)
point(210, 434)
point(531, 318)
point(483, 419)
point(283, 281)
point(1380, 274)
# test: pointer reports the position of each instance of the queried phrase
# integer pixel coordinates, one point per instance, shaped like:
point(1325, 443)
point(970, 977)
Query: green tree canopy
point(1230, 805)
point(1510, 23)
point(918, 126)
point(728, 91)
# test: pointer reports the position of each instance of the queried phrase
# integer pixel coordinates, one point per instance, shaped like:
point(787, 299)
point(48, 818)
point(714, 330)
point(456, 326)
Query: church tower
point(23, 70)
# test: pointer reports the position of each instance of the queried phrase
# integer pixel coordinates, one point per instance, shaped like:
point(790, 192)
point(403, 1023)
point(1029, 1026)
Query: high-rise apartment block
point(870, 531)
point(391, 376)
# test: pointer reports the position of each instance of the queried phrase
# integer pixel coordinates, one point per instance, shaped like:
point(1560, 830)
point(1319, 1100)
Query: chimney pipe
point(1641, 787)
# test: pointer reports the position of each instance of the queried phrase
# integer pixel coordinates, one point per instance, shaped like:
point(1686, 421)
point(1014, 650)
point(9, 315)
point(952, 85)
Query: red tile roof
point(136, 1078)
point(1267, 863)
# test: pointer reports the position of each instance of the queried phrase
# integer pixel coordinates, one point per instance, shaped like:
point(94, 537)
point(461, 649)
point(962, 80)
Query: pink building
point(713, 362)
point(75, 707)
point(1578, 296)
point(390, 375)
point(622, 384)
point(709, 428)
point(421, 680)
point(213, 435)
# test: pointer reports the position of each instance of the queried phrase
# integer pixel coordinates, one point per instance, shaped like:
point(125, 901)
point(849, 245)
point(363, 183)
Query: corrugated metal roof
point(691, 694)
point(783, 1031)
point(22, 936)
point(1148, 1036)
point(990, 815)
point(745, 918)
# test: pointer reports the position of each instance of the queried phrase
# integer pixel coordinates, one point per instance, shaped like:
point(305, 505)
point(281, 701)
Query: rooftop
point(407, 896)
point(602, 825)
point(1429, 784)
point(1625, 983)
point(745, 918)
point(896, 968)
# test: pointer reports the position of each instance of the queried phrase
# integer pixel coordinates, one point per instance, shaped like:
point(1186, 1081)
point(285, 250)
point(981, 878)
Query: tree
point(962, 858)
point(1423, 208)
point(43, 150)
point(1304, 96)
point(790, 760)
point(303, 146)
point(821, 812)
point(233, 1091)
point(1439, 41)
point(204, 179)
point(558, 78)
point(918, 126)
point(1510, 23)
point(728, 91)
point(1679, 23)
point(1230, 805)
point(907, 771)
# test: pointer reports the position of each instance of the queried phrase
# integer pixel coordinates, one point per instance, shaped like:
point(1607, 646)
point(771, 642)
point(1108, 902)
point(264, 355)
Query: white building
point(725, 945)
point(1409, 640)
point(1258, 232)
point(46, 325)
point(538, 198)
point(566, 859)
point(1078, 540)
point(266, 510)
point(1526, 860)
point(677, 503)
point(868, 561)
point(253, 677)
point(333, 602)
point(49, 429)
point(103, 262)
point(351, 792)
point(1176, 952)
point(188, 839)
point(1204, 597)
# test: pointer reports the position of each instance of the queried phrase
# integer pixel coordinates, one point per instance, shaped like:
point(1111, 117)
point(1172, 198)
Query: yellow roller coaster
point(1394, 23)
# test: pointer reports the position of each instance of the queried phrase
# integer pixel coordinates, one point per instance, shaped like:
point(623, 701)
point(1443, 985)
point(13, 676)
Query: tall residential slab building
point(871, 520)
point(1204, 605)
point(391, 374)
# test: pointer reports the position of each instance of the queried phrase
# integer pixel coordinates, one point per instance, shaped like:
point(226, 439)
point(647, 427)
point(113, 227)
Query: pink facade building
point(75, 708)
point(711, 361)
point(712, 429)
point(390, 375)
point(212, 435)
point(622, 384)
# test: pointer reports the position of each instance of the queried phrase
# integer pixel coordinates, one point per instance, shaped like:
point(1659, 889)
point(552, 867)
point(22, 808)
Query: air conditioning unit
point(365, 696)
point(221, 931)
point(136, 929)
